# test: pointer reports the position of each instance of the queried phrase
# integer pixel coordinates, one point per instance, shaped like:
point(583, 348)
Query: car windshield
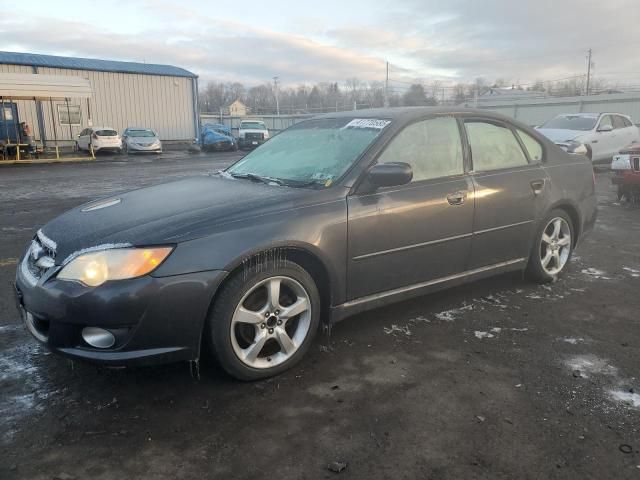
point(314, 151)
point(141, 133)
point(572, 122)
point(254, 125)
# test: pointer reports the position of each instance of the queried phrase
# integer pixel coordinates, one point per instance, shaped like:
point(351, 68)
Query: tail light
point(94, 136)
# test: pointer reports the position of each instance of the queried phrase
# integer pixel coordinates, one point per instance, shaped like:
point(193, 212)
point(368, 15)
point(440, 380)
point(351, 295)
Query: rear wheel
point(263, 322)
point(553, 247)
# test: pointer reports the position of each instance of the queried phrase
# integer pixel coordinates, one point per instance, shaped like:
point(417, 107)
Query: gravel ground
point(497, 379)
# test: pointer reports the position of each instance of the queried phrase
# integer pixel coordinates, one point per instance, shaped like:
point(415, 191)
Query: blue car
point(217, 137)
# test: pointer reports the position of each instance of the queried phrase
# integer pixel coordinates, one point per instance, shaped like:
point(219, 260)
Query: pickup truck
point(252, 133)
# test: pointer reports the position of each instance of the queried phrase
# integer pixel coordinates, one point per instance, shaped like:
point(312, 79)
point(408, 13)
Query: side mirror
point(605, 128)
point(389, 174)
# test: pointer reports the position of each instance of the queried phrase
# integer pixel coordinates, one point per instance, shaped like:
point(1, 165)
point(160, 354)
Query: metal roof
point(74, 63)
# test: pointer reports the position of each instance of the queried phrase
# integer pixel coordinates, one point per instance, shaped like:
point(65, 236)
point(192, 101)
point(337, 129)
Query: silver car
point(138, 140)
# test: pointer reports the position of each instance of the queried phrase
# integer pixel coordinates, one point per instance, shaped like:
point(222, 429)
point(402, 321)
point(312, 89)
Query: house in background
point(236, 109)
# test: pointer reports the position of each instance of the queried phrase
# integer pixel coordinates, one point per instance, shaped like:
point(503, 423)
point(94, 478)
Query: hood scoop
point(110, 202)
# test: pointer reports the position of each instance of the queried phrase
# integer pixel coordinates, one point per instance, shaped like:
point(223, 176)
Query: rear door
point(509, 185)
point(403, 235)
point(625, 132)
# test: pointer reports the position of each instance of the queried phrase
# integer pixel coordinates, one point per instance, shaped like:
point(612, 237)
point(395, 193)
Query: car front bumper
point(134, 147)
point(154, 320)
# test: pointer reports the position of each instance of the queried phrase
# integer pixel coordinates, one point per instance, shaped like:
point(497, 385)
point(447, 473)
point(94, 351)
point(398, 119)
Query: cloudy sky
point(329, 40)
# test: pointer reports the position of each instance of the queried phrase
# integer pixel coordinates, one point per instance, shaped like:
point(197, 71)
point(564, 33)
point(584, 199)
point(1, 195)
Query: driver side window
point(432, 147)
point(606, 121)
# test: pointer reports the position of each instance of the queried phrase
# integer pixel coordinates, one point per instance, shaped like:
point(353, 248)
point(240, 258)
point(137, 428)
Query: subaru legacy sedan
point(336, 215)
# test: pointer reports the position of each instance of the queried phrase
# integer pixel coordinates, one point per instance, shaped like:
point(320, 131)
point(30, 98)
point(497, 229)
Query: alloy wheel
point(270, 322)
point(555, 246)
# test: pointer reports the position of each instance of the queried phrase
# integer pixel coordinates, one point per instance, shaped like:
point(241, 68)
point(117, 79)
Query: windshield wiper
point(257, 178)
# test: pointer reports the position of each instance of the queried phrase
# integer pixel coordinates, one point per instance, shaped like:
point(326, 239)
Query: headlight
point(95, 268)
point(575, 147)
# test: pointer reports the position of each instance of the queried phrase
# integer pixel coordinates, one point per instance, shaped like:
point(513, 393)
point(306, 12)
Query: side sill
point(358, 305)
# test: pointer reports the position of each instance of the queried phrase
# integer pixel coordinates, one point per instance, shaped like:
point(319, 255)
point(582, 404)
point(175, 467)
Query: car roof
point(102, 128)
point(138, 128)
point(411, 113)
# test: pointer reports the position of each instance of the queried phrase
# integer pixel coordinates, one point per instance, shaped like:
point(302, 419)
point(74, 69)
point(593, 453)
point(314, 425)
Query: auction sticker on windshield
point(367, 123)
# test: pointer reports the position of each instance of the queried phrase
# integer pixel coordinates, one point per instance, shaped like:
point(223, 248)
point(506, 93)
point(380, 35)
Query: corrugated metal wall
point(120, 100)
point(538, 111)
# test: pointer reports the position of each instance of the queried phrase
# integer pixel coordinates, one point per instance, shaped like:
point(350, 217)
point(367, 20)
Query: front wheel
point(264, 320)
point(552, 247)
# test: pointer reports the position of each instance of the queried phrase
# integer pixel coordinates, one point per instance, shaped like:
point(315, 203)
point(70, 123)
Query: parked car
point(334, 216)
point(215, 136)
point(140, 140)
point(626, 170)
point(252, 133)
point(604, 134)
point(100, 139)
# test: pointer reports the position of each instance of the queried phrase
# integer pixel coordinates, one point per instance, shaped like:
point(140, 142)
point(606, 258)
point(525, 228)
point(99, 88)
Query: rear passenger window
point(432, 147)
point(618, 122)
point(534, 149)
point(493, 146)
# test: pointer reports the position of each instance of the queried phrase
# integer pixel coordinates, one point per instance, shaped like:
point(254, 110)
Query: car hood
point(168, 213)
point(561, 135)
point(209, 136)
point(142, 140)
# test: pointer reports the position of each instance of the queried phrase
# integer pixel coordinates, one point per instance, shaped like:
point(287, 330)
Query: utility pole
point(275, 89)
point(588, 70)
point(386, 88)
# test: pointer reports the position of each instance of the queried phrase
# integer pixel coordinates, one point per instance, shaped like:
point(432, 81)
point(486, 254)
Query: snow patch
point(482, 335)
point(398, 329)
point(453, 314)
point(97, 248)
point(591, 365)
point(595, 273)
point(632, 271)
point(571, 340)
point(632, 399)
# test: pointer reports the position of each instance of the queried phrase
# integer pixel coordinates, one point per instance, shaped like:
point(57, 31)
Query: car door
point(605, 139)
point(84, 138)
point(509, 184)
point(421, 231)
point(624, 132)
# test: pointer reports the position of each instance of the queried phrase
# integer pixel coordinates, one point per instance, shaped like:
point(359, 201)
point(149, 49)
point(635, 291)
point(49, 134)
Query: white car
point(252, 133)
point(604, 134)
point(100, 139)
point(139, 140)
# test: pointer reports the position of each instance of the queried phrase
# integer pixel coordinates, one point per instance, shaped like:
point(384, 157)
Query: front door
point(400, 236)
point(605, 139)
point(509, 185)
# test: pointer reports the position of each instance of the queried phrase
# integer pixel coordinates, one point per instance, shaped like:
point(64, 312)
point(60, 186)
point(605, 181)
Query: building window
point(69, 114)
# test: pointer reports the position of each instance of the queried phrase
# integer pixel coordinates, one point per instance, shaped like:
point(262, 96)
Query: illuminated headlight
point(94, 268)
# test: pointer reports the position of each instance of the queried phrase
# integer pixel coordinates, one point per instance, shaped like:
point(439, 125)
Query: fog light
point(98, 337)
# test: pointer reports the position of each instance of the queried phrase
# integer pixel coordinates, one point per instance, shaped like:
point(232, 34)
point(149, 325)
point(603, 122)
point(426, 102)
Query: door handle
point(457, 198)
point(537, 186)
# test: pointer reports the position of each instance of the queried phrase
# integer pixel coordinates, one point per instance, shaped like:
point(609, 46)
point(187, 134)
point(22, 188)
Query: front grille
point(254, 136)
point(40, 257)
point(635, 161)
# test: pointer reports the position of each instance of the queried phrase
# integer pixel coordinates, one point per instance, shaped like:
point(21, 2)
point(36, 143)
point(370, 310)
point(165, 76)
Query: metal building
point(124, 94)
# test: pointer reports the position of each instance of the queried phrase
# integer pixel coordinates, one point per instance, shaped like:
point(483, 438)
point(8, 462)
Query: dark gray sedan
point(335, 215)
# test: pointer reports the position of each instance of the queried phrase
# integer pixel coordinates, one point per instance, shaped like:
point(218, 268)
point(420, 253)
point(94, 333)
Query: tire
point(547, 242)
point(244, 340)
